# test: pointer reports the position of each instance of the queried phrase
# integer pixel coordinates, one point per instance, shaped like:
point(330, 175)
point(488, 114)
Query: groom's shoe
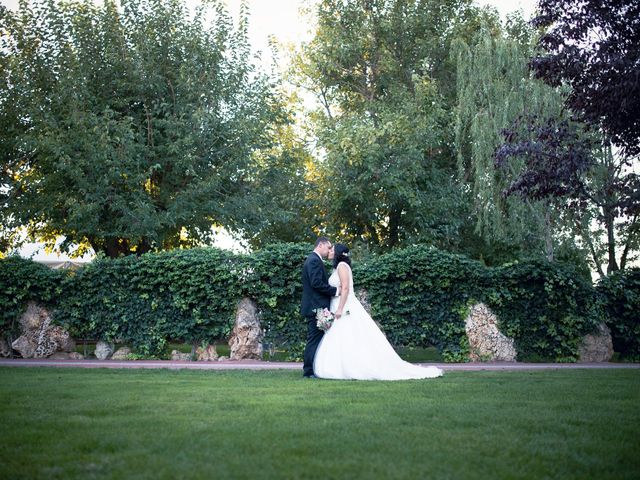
point(309, 376)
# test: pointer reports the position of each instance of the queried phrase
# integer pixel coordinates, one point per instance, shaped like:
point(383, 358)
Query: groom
point(316, 293)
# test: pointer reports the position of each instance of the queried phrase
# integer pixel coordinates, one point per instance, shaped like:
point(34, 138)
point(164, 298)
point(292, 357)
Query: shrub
point(619, 295)
point(23, 280)
point(546, 307)
point(274, 281)
point(187, 295)
point(417, 294)
point(420, 296)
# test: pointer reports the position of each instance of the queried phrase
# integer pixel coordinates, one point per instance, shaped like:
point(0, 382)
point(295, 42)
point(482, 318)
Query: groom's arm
point(317, 281)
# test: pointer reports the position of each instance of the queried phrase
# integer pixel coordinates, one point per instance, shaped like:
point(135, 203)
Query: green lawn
point(157, 424)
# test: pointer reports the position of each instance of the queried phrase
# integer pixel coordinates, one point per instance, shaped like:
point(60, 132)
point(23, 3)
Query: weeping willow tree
point(494, 88)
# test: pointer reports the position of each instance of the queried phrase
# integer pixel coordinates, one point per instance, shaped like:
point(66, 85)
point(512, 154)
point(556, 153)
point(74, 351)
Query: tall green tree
point(382, 73)
point(592, 48)
point(278, 203)
point(128, 126)
point(494, 89)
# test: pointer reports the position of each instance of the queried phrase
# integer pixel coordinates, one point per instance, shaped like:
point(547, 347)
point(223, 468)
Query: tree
point(279, 200)
point(580, 173)
point(592, 45)
point(128, 127)
point(383, 77)
point(494, 89)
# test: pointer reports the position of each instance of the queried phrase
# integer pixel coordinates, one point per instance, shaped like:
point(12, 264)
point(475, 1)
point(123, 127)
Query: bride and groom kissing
point(353, 347)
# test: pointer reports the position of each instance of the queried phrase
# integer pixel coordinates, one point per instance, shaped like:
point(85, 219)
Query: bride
point(354, 347)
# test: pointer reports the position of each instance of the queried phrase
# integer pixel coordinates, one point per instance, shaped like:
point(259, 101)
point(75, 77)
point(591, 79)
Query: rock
point(222, 358)
point(38, 337)
point(5, 351)
point(177, 356)
point(207, 354)
point(34, 317)
point(103, 350)
point(63, 339)
point(121, 354)
point(67, 356)
point(486, 342)
point(25, 347)
point(597, 346)
point(246, 337)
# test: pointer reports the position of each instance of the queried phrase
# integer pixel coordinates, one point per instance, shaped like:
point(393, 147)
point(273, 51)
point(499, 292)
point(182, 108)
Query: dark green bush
point(419, 296)
point(187, 295)
point(22, 280)
point(619, 295)
point(274, 280)
point(546, 307)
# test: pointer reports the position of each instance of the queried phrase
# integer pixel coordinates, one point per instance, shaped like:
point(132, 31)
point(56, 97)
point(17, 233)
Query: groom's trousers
point(314, 335)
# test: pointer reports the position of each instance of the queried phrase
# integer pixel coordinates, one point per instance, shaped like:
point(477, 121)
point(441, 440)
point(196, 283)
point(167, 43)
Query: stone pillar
point(246, 337)
point(486, 342)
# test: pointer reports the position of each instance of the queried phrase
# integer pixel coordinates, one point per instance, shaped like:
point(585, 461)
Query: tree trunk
point(612, 265)
point(548, 234)
point(394, 227)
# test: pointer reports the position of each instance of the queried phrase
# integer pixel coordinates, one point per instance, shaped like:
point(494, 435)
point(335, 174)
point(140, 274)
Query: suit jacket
point(316, 291)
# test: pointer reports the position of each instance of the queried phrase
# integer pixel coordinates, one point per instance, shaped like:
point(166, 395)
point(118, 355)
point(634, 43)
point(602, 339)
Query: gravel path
point(261, 365)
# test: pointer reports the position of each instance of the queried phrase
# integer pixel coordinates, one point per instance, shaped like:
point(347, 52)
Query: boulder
point(207, 354)
point(5, 351)
point(38, 337)
point(597, 346)
point(486, 342)
point(222, 358)
point(121, 354)
point(246, 337)
point(24, 346)
point(177, 356)
point(63, 339)
point(103, 350)
point(67, 356)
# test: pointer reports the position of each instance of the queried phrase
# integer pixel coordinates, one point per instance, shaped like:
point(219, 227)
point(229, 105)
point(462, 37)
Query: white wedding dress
point(354, 348)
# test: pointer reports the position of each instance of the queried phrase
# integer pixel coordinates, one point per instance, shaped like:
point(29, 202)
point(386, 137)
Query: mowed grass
point(157, 424)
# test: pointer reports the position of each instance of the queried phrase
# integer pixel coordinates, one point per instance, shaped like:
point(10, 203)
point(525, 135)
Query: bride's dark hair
point(340, 254)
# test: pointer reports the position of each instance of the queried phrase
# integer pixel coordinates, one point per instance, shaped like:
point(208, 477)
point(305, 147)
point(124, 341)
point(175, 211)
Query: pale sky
point(283, 20)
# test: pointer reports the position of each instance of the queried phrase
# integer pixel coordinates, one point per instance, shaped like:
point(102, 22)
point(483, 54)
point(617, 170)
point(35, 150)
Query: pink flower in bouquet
point(324, 318)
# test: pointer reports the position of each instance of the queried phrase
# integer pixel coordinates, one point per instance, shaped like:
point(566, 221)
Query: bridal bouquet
point(324, 318)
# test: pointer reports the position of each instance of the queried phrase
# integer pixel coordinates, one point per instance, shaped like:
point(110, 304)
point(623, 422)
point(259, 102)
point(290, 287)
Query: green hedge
point(187, 295)
point(418, 295)
point(619, 295)
point(274, 281)
point(23, 280)
point(547, 308)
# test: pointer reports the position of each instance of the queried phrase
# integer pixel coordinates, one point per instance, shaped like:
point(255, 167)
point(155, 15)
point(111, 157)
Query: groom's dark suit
point(316, 293)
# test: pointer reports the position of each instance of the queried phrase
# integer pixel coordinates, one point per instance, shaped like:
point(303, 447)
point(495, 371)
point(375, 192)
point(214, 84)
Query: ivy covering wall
point(418, 295)
point(619, 295)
